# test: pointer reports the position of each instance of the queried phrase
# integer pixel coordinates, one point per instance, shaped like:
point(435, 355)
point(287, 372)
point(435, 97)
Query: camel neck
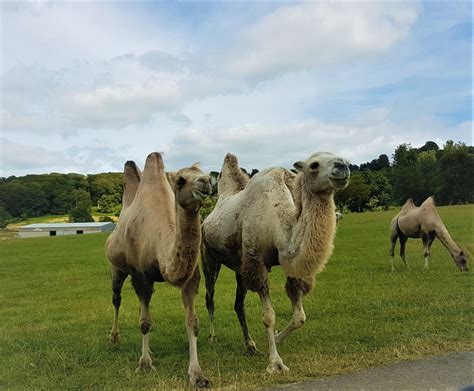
point(313, 234)
point(186, 246)
point(445, 238)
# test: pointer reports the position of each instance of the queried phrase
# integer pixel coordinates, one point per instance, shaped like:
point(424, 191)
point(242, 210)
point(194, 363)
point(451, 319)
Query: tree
point(80, 214)
point(456, 166)
point(356, 196)
point(107, 203)
point(4, 217)
point(429, 146)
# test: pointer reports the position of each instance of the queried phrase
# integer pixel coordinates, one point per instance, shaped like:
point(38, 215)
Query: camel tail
point(231, 179)
point(131, 180)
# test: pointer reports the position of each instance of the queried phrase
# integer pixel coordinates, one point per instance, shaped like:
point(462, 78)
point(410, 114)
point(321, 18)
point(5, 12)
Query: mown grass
point(56, 313)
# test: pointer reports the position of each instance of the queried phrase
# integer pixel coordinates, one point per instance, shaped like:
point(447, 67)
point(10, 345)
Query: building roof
point(65, 225)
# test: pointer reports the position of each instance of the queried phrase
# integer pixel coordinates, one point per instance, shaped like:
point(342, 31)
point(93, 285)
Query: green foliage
point(356, 196)
point(107, 203)
point(80, 214)
point(4, 217)
point(56, 314)
point(456, 168)
point(106, 219)
point(446, 174)
point(38, 195)
point(106, 184)
point(207, 207)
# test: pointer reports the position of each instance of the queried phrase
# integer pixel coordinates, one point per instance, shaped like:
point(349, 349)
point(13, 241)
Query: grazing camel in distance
point(423, 222)
point(157, 239)
point(275, 218)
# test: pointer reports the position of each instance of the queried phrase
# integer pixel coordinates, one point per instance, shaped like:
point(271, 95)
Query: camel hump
point(154, 170)
point(154, 162)
point(409, 204)
point(131, 180)
point(231, 179)
point(430, 201)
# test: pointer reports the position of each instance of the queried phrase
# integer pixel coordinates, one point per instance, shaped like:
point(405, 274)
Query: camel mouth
point(199, 195)
point(340, 183)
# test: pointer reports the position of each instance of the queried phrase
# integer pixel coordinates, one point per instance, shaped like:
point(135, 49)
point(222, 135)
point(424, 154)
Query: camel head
point(324, 171)
point(460, 259)
point(192, 187)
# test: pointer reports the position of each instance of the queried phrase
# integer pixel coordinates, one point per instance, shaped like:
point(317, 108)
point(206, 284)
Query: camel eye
point(181, 182)
point(314, 165)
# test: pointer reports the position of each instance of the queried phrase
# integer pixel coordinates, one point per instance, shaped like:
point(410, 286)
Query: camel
point(157, 239)
point(275, 218)
point(423, 222)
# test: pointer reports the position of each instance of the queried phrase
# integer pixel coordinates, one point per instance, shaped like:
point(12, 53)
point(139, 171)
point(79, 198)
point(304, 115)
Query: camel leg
point(428, 239)
point(295, 290)
point(393, 242)
point(239, 307)
point(118, 277)
point(144, 290)
point(189, 293)
point(276, 363)
point(255, 277)
point(211, 272)
point(403, 242)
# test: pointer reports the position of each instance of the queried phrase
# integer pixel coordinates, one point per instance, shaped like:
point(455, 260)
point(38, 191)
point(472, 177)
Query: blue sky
point(87, 86)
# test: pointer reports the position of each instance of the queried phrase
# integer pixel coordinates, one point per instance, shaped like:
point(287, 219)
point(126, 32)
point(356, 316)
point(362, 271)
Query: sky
point(86, 86)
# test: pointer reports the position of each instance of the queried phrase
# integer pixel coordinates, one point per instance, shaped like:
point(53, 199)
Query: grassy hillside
point(56, 313)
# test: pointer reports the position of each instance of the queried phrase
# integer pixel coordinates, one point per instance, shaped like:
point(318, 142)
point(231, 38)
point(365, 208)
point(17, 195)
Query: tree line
point(58, 194)
point(414, 173)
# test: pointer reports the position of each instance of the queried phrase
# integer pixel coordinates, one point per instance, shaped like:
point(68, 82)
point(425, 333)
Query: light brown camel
point(157, 239)
point(277, 218)
point(423, 222)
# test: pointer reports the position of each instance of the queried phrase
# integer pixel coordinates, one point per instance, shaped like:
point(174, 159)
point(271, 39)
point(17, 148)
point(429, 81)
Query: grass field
point(56, 313)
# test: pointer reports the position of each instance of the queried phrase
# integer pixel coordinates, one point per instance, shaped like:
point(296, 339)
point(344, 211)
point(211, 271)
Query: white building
point(60, 229)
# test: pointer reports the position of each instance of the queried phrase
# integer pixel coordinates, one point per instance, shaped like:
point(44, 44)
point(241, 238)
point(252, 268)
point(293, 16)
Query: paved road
point(450, 372)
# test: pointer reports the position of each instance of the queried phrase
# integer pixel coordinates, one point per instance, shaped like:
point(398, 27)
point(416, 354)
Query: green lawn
point(56, 313)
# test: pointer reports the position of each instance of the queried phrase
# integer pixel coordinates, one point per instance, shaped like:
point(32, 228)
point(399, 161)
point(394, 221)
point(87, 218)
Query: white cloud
point(260, 146)
point(306, 35)
point(121, 105)
point(57, 33)
point(23, 158)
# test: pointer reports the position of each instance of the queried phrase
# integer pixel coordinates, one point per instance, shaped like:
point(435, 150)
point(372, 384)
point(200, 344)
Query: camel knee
point(192, 323)
point(299, 319)
point(145, 326)
point(269, 317)
point(239, 306)
point(116, 300)
point(210, 302)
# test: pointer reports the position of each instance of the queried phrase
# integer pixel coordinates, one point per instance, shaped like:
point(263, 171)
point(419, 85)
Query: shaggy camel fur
point(277, 218)
point(157, 238)
point(423, 222)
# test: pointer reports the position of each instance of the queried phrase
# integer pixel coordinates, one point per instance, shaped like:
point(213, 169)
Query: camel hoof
point(199, 381)
point(212, 339)
point(114, 338)
point(145, 366)
point(277, 367)
point(251, 350)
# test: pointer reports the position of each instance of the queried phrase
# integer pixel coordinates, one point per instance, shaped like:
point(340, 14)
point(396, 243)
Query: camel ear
point(299, 166)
